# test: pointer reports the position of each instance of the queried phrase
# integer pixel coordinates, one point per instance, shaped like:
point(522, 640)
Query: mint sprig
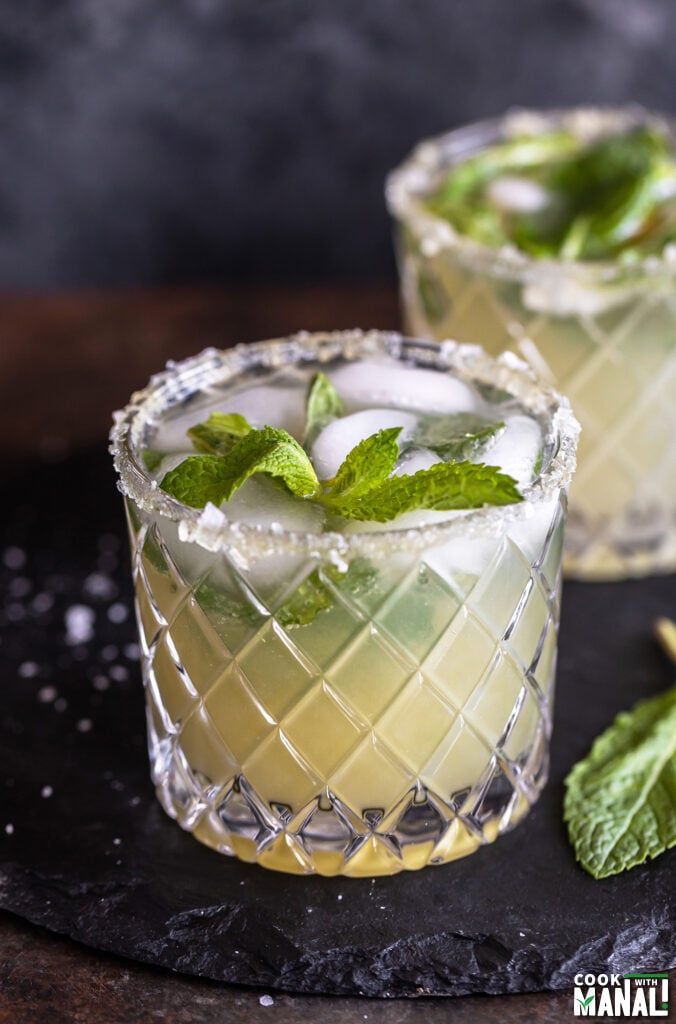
point(446, 486)
point(456, 437)
point(203, 478)
point(367, 465)
point(610, 198)
point(218, 435)
point(363, 489)
point(324, 404)
point(620, 802)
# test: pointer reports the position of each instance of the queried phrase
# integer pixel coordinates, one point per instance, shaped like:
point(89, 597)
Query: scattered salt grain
point(132, 652)
point(119, 673)
point(14, 558)
point(46, 792)
point(28, 669)
point(98, 584)
point(61, 704)
point(9, 829)
point(118, 613)
point(46, 694)
point(101, 683)
point(20, 586)
point(84, 725)
point(109, 653)
point(15, 612)
point(42, 603)
point(116, 841)
point(79, 621)
point(266, 1001)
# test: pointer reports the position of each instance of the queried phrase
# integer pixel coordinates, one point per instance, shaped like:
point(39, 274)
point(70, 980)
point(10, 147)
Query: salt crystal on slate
point(266, 1001)
point(98, 584)
point(119, 673)
point(28, 669)
point(61, 704)
point(42, 603)
point(101, 683)
point(109, 652)
point(46, 694)
point(14, 558)
point(46, 792)
point(118, 613)
point(9, 829)
point(79, 621)
point(84, 725)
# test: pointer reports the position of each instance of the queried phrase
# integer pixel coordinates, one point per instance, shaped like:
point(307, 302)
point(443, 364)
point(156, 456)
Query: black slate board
point(93, 856)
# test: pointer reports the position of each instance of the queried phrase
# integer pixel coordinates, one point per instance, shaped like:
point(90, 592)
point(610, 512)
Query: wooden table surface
point(66, 360)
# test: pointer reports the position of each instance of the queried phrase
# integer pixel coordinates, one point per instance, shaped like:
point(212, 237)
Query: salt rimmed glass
point(408, 723)
point(603, 333)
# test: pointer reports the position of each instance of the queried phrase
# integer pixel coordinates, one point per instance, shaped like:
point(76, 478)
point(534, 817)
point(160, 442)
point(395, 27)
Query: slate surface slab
point(86, 851)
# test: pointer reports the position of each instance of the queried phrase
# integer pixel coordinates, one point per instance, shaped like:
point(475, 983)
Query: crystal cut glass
point(600, 332)
point(408, 723)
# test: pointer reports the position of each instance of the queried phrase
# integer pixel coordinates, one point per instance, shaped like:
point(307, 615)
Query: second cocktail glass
point(602, 332)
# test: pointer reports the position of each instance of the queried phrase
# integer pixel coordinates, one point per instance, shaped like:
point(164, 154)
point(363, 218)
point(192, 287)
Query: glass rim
point(470, 362)
point(411, 181)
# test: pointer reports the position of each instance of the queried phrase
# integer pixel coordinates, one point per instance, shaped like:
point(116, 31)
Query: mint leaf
point(368, 464)
point(217, 436)
point(323, 405)
point(151, 459)
point(315, 595)
point(202, 478)
point(446, 486)
point(456, 437)
point(620, 802)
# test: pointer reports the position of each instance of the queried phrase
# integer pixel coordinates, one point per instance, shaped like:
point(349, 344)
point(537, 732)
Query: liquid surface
point(442, 419)
point(554, 195)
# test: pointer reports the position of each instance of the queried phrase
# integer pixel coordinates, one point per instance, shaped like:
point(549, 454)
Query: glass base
point(328, 838)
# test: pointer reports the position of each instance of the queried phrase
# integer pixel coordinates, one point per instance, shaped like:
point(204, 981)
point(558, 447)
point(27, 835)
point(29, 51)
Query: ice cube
point(414, 460)
point(340, 436)
point(372, 383)
point(518, 195)
point(262, 406)
point(516, 449)
point(269, 504)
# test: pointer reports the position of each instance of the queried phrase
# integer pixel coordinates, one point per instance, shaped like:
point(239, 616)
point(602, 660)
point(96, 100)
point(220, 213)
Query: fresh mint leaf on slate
point(203, 478)
point(368, 464)
point(620, 802)
point(446, 486)
point(218, 435)
point(323, 405)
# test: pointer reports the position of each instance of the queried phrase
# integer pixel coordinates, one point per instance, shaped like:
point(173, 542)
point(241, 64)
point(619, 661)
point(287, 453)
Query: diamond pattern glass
point(406, 723)
point(608, 343)
point(405, 739)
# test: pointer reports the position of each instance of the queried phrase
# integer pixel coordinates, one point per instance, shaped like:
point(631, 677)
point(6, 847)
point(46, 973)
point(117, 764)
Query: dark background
point(146, 141)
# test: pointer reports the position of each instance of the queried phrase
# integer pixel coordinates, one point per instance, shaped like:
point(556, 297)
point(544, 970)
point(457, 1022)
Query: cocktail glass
point(407, 723)
point(603, 333)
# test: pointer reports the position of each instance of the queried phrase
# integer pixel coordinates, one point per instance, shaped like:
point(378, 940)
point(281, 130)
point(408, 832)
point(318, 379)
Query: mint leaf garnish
point(601, 199)
point(151, 459)
point(323, 405)
point(202, 478)
point(217, 436)
point(315, 595)
point(446, 486)
point(456, 437)
point(368, 464)
point(620, 802)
